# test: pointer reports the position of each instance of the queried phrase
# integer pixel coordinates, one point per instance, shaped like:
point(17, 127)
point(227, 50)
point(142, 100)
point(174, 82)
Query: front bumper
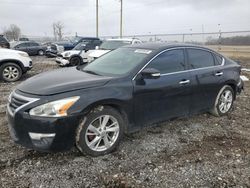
point(61, 61)
point(25, 69)
point(51, 53)
point(42, 134)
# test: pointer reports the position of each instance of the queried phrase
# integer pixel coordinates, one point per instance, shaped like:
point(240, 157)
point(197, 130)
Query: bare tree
point(13, 32)
point(58, 30)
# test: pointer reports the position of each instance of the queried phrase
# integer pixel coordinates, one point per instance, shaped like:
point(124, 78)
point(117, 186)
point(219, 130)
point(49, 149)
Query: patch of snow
point(244, 69)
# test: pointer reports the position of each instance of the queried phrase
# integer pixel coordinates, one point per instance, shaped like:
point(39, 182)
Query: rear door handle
point(219, 74)
point(184, 82)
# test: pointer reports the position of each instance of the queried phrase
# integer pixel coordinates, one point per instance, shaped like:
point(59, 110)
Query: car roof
point(162, 46)
point(22, 42)
point(92, 38)
point(122, 39)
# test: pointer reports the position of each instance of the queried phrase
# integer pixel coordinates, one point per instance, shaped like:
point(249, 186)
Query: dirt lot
point(200, 151)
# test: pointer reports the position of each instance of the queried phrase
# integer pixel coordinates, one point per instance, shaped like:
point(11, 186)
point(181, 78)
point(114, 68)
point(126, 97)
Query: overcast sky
point(35, 17)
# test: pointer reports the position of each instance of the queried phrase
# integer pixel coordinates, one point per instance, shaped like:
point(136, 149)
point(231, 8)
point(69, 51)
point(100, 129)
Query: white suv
point(109, 45)
point(13, 64)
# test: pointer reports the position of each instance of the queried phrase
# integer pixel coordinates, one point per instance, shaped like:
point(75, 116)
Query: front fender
point(118, 97)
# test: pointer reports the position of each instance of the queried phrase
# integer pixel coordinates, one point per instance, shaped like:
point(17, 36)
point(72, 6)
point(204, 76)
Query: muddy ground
point(200, 151)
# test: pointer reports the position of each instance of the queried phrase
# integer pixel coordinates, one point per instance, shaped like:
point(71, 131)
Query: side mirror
point(150, 73)
point(97, 47)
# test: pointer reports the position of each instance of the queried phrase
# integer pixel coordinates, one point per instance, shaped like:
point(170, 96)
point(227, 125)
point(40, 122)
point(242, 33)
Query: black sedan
point(32, 48)
point(120, 92)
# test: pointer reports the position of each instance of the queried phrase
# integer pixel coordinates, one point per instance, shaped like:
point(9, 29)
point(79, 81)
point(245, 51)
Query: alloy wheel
point(226, 101)
point(102, 133)
point(10, 73)
point(41, 52)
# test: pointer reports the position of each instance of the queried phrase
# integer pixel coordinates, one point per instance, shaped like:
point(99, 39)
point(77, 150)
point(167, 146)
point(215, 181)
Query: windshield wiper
point(91, 72)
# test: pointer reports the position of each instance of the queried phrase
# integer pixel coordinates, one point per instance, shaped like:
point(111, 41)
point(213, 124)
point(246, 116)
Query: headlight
point(23, 54)
point(67, 54)
point(54, 109)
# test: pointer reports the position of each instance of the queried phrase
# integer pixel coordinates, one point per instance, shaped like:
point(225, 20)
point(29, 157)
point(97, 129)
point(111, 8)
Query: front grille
point(16, 101)
point(59, 55)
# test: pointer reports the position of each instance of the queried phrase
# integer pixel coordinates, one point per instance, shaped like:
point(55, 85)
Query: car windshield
point(81, 46)
point(118, 62)
point(75, 40)
point(112, 45)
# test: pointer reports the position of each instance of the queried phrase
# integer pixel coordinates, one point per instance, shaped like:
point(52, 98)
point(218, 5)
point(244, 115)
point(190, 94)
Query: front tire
point(224, 101)
point(100, 132)
point(10, 72)
point(75, 61)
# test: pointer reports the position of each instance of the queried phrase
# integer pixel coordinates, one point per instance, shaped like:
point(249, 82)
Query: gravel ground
point(200, 151)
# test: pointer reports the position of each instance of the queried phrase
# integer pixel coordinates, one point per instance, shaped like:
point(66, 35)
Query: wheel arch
point(40, 50)
point(113, 103)
point(75, 55)
point(19, 63)
point(233, 85)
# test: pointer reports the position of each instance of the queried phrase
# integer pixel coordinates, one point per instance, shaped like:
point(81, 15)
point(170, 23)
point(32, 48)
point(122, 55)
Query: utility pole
point(121, 19)
point(97, 18)
point(219, 25)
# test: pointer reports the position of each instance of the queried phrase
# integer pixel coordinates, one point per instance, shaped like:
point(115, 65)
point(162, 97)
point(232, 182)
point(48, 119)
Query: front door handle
point(219, 74)
point(184, 82)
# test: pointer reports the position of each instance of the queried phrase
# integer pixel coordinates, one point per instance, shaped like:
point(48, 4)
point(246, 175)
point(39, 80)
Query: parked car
point(76, 40)
point(53, 51)
point(32, 48)
point(78, 55)
point(131, 87)
point(13, 64)
point(108, 45)
point(4, 43)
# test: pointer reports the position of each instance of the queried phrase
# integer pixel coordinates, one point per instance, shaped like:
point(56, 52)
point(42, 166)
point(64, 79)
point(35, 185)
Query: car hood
point(98, 53)
point(72, 52)
point(10, 51)
point(61, 80)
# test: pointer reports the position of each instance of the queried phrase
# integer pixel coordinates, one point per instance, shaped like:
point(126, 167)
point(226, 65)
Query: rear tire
point(100, 131)
point(41, 52)
point(224, 101)
point(10, 72)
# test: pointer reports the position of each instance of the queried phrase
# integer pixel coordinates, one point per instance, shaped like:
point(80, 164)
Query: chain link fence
point(232, 43)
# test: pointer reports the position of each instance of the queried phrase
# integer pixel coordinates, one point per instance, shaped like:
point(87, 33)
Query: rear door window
point(199, 58)
point(23, 45)
point(218, 59)
point(33, 44)
point(97, 42)
point(169, 62)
